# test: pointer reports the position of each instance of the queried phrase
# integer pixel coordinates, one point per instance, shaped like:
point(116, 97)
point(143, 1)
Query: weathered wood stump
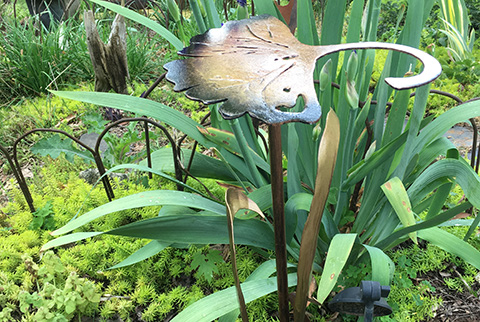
point(109, 60)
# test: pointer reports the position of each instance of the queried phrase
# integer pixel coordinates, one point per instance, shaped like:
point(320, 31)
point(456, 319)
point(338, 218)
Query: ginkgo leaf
point(256, 66)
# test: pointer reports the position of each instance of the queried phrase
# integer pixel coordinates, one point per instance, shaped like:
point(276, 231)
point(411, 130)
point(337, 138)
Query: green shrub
point(473, 7)
point(388, 19)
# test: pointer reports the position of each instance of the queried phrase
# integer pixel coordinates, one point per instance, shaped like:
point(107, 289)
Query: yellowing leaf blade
point(337, 256)
point(398, 198)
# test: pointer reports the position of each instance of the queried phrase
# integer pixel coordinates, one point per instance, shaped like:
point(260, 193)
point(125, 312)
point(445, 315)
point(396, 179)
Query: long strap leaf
point(130, 14)
point(398, 197)
point(222, 302)
point(327, 156)
point(452, 244)
point(143, 199)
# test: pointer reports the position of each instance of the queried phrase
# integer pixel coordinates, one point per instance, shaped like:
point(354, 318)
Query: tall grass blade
point(132, 15)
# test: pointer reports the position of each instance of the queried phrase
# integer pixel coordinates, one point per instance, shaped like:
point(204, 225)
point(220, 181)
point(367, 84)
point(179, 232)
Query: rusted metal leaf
point(256, 66)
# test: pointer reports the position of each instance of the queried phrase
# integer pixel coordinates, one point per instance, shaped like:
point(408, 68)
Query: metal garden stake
point(255, 66)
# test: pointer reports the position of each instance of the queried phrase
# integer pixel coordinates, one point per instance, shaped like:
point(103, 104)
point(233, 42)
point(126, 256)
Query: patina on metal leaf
point(256, 66)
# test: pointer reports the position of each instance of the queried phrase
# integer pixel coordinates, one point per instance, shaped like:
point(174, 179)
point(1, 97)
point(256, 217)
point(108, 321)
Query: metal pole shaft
point(275, 142)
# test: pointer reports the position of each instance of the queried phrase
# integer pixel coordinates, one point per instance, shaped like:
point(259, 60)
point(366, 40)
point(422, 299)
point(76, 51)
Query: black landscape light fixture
point(367, 300)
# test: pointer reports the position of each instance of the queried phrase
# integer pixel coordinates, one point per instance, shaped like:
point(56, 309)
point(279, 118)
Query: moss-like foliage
point(35, 286)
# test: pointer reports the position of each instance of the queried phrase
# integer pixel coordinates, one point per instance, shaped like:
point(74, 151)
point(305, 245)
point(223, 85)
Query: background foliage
point(373, 222)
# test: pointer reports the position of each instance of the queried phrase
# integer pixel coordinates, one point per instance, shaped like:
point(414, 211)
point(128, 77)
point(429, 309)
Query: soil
point(457, 306)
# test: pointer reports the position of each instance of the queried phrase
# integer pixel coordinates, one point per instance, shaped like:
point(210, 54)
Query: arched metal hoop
point(95, 152)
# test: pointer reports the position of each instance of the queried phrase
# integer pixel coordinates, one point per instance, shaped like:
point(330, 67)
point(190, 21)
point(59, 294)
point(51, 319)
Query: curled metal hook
point(431, 67)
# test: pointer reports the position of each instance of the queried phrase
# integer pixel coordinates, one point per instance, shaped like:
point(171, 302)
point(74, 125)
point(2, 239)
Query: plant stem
point(343, 196)
point(275, 147)
point(247, 153)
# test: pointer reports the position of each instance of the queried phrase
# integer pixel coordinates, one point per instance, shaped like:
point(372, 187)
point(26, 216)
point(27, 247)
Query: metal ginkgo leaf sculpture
point(256, 66)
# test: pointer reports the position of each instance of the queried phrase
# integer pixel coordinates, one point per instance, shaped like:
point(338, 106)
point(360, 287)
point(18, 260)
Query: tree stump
point(109, 60)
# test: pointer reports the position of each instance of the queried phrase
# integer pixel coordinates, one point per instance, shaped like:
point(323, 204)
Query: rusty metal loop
point(175, 151)
point(20, 179)
point(431, 67)
point(96, 157)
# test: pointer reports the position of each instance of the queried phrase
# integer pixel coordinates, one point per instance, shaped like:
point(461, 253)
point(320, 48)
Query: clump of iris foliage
point(163, 284)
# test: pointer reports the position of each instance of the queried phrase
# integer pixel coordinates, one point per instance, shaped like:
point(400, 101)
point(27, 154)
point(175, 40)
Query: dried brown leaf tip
point(254, 66)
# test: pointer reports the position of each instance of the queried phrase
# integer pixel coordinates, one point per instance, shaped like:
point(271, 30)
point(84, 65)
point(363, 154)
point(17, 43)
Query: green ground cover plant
point(158, 287)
